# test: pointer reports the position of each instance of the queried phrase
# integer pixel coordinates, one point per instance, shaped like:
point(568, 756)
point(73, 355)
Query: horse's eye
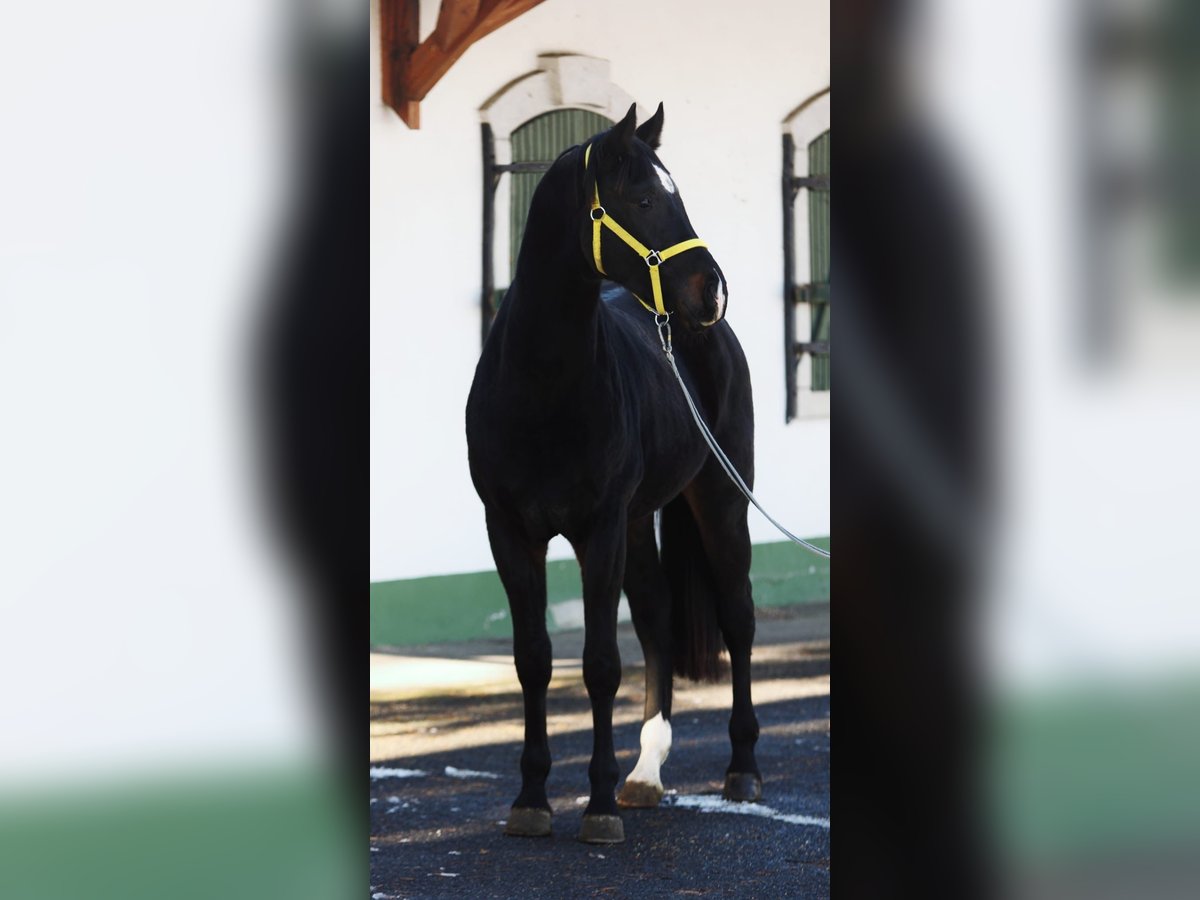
point(645, 203)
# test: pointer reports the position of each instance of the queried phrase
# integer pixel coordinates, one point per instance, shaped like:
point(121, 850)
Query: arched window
point(818, 262)
point(806, 305)
point(525, 126)
point(538, 142)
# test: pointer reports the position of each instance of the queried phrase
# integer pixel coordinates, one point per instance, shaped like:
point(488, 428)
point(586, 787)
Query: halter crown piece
point(652, 258)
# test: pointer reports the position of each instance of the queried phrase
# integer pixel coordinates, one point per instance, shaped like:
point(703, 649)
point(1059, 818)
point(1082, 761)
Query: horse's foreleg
point(650, 603)
point(522, 569)
point(603, 563)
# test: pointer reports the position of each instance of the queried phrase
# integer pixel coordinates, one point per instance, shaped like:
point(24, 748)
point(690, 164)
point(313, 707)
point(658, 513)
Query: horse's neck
point(555, 311)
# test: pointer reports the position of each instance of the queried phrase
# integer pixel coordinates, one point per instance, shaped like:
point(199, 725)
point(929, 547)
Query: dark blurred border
point(315, 377)
point(910, 485)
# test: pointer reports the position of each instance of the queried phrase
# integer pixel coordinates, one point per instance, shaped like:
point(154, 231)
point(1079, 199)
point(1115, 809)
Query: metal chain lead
point(664, 337)
point(664, 331)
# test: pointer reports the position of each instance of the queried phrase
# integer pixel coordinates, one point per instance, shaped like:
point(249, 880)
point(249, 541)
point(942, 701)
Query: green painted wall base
point(241, 834)
point(1100, 773)
point(461, 607)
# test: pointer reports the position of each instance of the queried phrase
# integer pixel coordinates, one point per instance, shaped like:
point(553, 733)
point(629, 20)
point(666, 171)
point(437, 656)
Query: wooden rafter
point(411, 67)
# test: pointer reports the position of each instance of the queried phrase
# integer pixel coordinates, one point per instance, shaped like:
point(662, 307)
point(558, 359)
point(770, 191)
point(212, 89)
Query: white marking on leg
point(656, 745)
point(665, 179)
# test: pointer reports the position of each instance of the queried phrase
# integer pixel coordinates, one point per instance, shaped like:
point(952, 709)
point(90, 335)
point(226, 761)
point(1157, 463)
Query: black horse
point(576, 426)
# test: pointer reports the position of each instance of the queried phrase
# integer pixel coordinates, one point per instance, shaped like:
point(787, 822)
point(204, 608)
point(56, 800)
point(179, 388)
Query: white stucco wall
point(726, 91)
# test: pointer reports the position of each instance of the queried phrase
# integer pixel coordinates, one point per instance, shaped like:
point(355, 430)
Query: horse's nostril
point(709, 293)
point(714, 294)
point(711, 287)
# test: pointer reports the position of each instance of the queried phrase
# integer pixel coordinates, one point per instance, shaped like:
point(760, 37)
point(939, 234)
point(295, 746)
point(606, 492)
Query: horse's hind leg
point(602, 558)
point(720, 513)
point(522, 569)
point(650, 603)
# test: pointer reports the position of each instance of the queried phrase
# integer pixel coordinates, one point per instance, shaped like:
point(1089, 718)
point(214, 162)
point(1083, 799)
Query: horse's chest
point(570, 453)
point(563, 465)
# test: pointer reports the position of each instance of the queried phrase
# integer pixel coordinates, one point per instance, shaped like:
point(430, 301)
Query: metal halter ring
point(653, 259)
point(597, 214)
point(664, 331)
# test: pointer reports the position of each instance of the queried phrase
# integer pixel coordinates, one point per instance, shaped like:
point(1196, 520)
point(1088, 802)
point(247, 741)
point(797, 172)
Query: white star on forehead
point(665, 179)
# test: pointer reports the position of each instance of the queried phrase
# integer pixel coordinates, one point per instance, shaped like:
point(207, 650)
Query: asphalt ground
point(437, 826)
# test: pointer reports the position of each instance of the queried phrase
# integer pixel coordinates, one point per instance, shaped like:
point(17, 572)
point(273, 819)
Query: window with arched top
point(806, 259)
point(818, 263)
point(538, 143)
point(525, 127)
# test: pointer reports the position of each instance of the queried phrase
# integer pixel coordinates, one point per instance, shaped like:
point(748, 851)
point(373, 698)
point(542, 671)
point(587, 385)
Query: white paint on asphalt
point(709, 804)
point(384, 772)
point(468, 773)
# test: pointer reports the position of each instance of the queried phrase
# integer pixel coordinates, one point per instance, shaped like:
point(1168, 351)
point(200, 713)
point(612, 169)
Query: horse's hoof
point(639, 795)
point(602, 830)
point(528, 821)
point(745, 787)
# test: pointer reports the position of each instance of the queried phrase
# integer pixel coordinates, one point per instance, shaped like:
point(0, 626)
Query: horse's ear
point(650, 131)
point(620, 137)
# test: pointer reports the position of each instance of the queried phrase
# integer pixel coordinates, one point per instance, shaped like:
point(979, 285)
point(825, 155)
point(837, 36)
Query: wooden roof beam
point(455, 19)
point(412, 68)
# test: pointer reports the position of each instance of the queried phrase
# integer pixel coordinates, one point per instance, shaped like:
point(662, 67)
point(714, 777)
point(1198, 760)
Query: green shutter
point(818, 254)
point(541, 140)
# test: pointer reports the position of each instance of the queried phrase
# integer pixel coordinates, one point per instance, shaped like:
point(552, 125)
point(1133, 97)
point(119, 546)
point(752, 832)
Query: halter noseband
point(652, 258)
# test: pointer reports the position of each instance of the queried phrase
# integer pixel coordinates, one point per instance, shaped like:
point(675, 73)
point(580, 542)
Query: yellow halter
point(652, 258)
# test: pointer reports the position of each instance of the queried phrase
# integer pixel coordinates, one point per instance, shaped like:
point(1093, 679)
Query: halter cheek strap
point(652, 258)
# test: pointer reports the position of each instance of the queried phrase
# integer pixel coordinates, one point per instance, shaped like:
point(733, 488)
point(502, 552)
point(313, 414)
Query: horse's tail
point(695, 631)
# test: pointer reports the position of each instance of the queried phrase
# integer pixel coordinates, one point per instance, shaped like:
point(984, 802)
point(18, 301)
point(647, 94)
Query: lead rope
point(664, 336)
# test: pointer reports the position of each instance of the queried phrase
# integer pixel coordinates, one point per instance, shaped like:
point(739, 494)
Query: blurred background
point(183, 335)
point(1015, 479)
point(1016, 622)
